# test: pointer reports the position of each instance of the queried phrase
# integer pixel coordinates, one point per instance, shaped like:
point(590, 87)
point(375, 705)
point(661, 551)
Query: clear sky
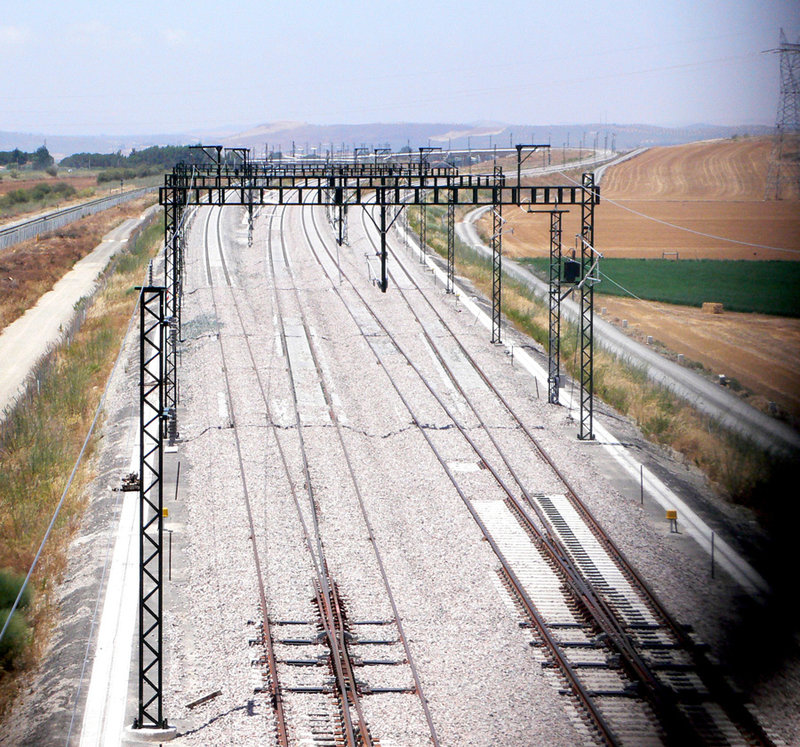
point(81, 67)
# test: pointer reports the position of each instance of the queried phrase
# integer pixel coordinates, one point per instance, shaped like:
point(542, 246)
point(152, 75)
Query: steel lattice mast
point(784, 164)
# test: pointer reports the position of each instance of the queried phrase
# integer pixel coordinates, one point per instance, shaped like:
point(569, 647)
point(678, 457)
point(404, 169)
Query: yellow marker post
point(165, 513)
point(672, 516)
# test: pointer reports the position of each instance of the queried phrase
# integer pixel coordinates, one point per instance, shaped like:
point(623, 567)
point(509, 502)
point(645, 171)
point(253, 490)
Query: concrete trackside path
point(26, 340)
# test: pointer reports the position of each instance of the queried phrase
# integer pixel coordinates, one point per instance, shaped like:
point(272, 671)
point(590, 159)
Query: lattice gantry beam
point(497, 266)
point(423, 231)
point(554, 295)
point(173, 210)
point(451, 246)
point(305, 190)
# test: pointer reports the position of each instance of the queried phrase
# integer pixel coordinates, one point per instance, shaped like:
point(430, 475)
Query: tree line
point(163, 158)
point(39, 159)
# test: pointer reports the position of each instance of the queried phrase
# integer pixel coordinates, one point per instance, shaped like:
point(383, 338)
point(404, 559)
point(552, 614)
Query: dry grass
point(31, 268)
point(41, 440)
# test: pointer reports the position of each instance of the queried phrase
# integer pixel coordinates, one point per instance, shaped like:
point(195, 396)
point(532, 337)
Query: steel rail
point(575, 683)
point(276, 696)
point(323, 606)
point(726, 697)
point(730, 701)
point(323, 599)
point(656, 693)
point(599, 611)
point(334, 634)
point(277, 703)
point(362, 506)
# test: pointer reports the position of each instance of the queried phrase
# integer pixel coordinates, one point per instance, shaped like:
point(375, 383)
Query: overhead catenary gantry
point(387, 185)
point(381, 184)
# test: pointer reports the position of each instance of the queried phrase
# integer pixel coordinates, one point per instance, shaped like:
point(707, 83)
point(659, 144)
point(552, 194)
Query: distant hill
point(483, 135)
point(307, 136)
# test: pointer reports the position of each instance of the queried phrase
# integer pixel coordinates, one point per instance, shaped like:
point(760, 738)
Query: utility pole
point(423, 212)
point(497, 253)
point(520, 160)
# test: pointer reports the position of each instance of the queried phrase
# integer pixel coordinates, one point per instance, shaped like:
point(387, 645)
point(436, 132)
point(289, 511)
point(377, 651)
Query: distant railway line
point(33, 227)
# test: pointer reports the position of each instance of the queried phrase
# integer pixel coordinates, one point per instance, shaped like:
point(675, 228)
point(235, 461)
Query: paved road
point(707, 397)
point(26, 340)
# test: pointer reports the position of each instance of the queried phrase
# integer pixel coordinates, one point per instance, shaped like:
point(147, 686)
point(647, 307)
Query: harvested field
point(31, 268)
point(710, 170)
point(712, 188)
point(761, 352)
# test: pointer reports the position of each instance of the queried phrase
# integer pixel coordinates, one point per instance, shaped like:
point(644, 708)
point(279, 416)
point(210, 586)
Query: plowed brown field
point(714, 188)
point(711, 188)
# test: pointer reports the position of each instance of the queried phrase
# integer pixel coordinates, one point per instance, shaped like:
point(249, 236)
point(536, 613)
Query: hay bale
point(712, 307)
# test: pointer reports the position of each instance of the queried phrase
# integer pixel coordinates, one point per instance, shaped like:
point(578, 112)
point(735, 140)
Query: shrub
point(63, 189)
point(40, 191)
point(10, 584)
point(14, 641)
point(51, 170)
point(17, 196)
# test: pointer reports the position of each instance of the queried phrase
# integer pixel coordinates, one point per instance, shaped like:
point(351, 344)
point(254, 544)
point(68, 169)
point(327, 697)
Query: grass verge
point(41, 438)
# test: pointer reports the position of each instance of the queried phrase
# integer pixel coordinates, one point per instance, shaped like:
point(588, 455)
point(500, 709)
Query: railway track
point(636, 675)
point(28, 229)
point(329, 649)
point(320, 683)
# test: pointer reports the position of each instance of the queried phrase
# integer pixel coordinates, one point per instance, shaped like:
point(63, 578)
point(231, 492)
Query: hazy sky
point(83, 67)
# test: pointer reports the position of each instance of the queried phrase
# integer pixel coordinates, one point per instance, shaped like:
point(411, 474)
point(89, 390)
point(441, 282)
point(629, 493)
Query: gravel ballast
point(483, 682)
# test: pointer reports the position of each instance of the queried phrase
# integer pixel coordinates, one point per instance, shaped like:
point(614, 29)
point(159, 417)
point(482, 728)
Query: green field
point(766, 287)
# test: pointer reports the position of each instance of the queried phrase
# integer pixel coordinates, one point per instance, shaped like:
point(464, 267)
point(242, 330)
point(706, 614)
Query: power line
point(690, 230)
